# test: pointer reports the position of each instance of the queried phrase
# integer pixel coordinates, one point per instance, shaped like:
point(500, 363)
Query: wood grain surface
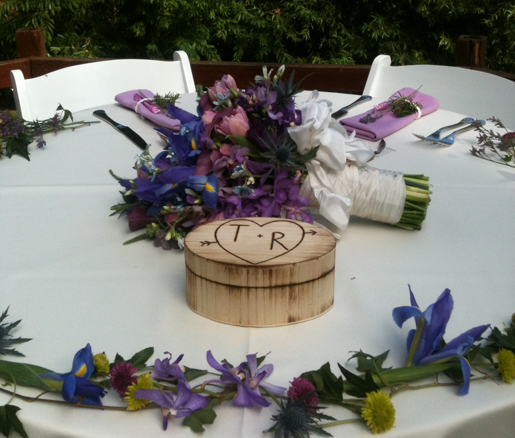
point(260, 271)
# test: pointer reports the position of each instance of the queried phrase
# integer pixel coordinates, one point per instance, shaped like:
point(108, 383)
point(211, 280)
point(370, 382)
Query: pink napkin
point(130, 99)
point(389, 123)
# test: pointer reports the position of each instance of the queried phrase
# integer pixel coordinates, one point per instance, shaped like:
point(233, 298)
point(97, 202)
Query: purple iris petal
point(75, 383)
point(180, 114)
point(197, 182)
point(403, 313)
point(440, 315)
point(176, 174)
point(465, 369)
point(210, 195)
point(435, 319)
point(91, 393)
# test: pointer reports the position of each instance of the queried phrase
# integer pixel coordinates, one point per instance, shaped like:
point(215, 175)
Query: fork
point(435, 136)
point(449, 140)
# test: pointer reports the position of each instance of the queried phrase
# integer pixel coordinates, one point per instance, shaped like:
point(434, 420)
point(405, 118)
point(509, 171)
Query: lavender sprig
point(16, 133)
point(502, 147)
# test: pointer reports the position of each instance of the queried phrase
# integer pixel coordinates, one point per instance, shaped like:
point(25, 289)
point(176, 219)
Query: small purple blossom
point(247, 378)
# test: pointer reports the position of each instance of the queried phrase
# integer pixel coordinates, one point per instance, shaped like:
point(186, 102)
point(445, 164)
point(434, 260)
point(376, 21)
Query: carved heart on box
point(255, 243)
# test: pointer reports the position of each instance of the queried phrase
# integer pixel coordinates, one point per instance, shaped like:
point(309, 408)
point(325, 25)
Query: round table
point(66, 274)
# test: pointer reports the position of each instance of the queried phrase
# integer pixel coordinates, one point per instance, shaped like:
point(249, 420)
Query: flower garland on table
point(16, 134)
point(251, 153)
point(166, 384)
point(501, 147)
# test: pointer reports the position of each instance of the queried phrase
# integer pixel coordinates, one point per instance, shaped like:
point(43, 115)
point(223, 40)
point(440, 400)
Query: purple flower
point(294, 206)
point(208, 186)
point(246, 380)
point(172, 406)
point(423, 343)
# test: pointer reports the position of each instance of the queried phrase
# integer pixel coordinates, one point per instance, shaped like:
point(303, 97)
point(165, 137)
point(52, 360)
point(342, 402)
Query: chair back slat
point(90, 85)
point(468, 92)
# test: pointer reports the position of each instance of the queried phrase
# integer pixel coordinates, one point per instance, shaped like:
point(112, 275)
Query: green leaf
point(366, 361)
point(329, 387)
point(27, 375)
point(501, 340)
point(255, 150)
point(9, 421)
point(6, 339)
point(117, 359)
point(140, 358)
point(207, 415)
point(310, 155)
point(192, 373)
point(361, 386)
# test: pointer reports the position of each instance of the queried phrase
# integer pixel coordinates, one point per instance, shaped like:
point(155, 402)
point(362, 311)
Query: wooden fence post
point(471, 51)
point(30, 42)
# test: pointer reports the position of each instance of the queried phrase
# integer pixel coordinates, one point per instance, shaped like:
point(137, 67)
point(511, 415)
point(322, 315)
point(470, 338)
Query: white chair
point(93, 84)
point(468, 92)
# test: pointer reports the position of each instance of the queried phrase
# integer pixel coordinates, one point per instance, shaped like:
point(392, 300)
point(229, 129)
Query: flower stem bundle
point(417, 200)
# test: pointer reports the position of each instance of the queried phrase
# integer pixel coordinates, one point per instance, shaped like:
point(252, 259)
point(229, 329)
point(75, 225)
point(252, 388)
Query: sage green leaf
point(366, 361)
point(27, 375)
point(329, 387)
point(406, 374)
point(199, 418)
point(360, 386)
point(254, 150)
point(501, 340)
point(140, 358)
point(117, 359)
point(9, 421)
point(192, 373)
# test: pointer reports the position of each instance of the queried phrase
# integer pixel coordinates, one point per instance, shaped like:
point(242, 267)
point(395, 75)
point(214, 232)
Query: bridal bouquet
point(252, 153)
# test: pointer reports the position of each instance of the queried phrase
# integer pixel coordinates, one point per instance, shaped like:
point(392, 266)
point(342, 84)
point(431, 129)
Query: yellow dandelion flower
point(506, 365)
point(379, 413)
point(143, 382)
point(101, 363)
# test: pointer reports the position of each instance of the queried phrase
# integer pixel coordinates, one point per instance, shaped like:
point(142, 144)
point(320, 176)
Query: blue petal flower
point(423, 344)
point(75, 383)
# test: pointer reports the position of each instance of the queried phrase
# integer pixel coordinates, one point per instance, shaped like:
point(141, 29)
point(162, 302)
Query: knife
point(343, 111)
point(125, 130)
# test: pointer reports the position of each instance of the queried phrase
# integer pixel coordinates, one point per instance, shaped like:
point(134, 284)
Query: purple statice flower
point(122, 376)
point(423, 343)
point(172, 406)
point(247, 378)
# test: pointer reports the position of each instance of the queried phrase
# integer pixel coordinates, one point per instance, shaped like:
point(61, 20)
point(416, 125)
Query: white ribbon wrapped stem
point(337, 188)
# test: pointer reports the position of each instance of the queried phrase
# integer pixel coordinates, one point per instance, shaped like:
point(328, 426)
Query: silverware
point(125, 130)
point(449, 140)
point(382, 145)
point(343, 111)
point(435, 136)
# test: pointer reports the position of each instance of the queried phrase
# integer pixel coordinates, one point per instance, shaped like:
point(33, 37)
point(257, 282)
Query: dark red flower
point(299, 388)
point(123, 376)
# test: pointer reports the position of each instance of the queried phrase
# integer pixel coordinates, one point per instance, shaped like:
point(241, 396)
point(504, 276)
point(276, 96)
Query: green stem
point(337, 423)
point(414, 343)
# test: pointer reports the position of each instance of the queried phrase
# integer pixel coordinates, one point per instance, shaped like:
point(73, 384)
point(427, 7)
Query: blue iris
point(208, 186)
point(423, 343)
point(75, 383)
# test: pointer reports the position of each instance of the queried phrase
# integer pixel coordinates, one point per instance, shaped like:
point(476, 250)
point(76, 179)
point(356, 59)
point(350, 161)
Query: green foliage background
point(311, 31)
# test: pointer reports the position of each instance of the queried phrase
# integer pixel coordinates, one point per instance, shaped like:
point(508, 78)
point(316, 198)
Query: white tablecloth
point(65, 273)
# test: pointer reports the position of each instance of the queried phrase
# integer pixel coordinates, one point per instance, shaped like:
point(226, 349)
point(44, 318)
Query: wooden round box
point(260, 272)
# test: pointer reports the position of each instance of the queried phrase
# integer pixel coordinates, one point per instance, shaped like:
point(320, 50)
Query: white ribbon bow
point(335, 147)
